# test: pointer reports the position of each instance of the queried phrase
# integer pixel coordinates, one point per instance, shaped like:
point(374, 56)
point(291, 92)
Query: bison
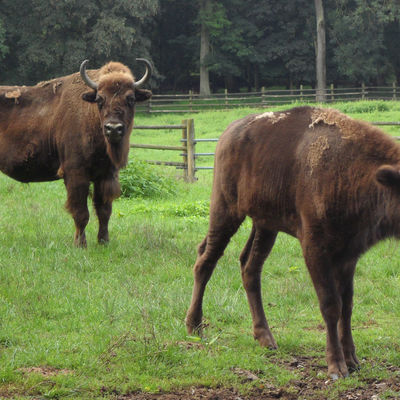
point(60, 129)
point(328, 180)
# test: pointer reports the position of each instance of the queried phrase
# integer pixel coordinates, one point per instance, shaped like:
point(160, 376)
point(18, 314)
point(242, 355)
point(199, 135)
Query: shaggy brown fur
point(49, 132)
point(320, 176)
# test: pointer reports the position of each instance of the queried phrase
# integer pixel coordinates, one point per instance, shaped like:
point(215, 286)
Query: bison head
point(115, 92)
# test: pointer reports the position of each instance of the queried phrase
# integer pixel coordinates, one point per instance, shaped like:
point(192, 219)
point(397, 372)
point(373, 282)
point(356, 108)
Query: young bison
point(320, 176)
point(61, 130)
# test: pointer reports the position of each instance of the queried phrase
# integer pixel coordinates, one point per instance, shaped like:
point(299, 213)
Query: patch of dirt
point(45, 371)
point(311, 384)
point(319, 327)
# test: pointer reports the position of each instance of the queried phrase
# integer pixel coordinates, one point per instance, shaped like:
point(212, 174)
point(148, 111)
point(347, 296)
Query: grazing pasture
point(108, 322)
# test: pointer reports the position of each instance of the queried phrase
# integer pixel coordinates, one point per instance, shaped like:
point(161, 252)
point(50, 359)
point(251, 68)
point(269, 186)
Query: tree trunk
point(205, 6)
point(256, 78)
point(320, 52)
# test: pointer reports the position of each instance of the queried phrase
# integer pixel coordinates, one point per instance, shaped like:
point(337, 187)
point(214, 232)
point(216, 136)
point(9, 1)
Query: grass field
point(108, 322)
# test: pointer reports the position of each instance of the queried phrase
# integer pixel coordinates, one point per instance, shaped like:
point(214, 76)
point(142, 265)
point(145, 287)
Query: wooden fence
point(188, 145)
point(192, 102)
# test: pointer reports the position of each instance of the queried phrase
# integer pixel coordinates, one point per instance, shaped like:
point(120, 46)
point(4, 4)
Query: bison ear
point(142, 95)
point(90, 96)
point(388, 176)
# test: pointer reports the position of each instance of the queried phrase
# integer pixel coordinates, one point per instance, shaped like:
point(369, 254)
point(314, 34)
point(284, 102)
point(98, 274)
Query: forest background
point(252, 43)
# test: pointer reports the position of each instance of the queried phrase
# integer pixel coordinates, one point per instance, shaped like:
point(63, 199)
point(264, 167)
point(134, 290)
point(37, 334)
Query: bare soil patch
point(45, 371)
point(310, 385)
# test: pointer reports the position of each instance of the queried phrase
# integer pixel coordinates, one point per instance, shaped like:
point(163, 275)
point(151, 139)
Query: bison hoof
point(266, 340)
point(334, 377)
point(338, 369)
point(193, 325)
point(352, 362)
point(80, 243)
point(195, 329)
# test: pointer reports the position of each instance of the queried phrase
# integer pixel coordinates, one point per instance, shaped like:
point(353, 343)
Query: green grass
point(110, 320)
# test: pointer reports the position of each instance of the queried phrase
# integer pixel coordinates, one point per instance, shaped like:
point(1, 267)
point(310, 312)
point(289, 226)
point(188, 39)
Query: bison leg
point(252, 259)
point(330, 302)
point(209, 252)
point(103, 209)
point(77, 193)
point(345, 284)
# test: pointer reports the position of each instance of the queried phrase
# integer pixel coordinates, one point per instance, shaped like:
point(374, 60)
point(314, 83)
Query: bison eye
point(100, 102)
point(130, 100)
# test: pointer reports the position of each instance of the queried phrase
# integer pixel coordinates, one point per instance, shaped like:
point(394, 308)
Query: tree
point(246, 43)
point(70, 31)
point(175, 45)
point(205, 12)
point(320, 52)
point(392, 44)
point(3, 47)
point(267, 43)
point(361, 51)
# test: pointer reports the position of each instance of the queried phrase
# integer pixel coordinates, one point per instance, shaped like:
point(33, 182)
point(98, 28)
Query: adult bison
point(59, 129)
point(320, 176)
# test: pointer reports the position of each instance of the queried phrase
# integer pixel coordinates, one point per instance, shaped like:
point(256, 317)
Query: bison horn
point(85, 77)
point(146, 75)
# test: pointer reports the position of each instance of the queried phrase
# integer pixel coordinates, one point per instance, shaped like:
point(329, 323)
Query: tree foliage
point(3, 47)
point(52, 37)
point(252, 43)
point(361, 50)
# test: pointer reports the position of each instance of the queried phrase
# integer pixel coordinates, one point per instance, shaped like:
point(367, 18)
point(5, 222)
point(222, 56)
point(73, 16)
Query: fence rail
point(188, 163)
point(188, 140)
point(193, 102)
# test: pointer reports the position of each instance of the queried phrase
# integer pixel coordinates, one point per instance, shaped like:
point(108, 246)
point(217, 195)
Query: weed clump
point(366, 106)
point(139, 179)
point(195, 209)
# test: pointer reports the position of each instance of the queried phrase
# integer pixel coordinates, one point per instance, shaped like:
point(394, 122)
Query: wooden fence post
point(301, 92)
point(188, 157)
point(363, 91)
point(394, 91)
point(184, 155)
point(332, 93)
point(149, 105)
point(190, 149)
point(226, 99)
point(191, 100)
point(263, 96)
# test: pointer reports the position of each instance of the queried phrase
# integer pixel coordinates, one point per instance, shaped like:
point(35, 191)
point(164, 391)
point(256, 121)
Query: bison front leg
point(77, 186)
point(105, 191)
point(103, 211)
point(252, 259)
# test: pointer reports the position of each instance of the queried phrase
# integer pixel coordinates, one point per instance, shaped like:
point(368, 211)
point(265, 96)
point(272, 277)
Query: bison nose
point(114, 131)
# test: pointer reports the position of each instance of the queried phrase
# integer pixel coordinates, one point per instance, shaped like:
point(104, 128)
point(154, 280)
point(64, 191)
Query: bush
point(139, 179)
point(195, 209)
point(367, 106)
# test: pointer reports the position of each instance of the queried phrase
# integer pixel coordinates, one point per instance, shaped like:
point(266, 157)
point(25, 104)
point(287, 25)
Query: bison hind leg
point(209, 252)
point(252, 258)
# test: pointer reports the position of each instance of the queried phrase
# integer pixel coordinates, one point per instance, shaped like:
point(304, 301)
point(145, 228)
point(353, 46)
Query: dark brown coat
point(59, 129)
point(320, 176)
